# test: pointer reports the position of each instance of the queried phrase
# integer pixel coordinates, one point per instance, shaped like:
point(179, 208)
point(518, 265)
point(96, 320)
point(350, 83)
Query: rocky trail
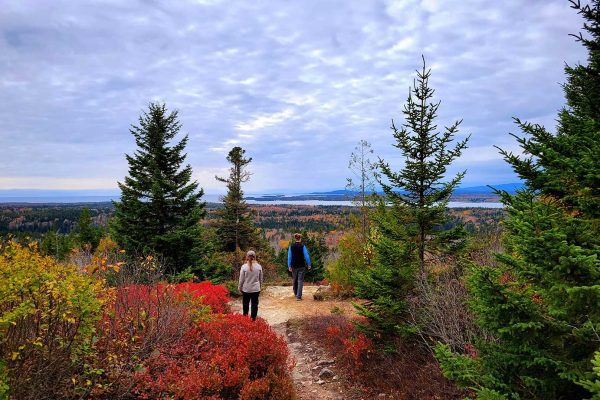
point(315, 373)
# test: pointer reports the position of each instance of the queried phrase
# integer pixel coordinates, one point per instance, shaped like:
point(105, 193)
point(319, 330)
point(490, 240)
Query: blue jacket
point(306, 256)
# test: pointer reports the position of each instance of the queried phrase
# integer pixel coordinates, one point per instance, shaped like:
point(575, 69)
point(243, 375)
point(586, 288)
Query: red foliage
point(342, 336)
point(203, 293)
point(215, 296)
point(227, 357)
point(471, 350)
point(141, 318)
point(145, 318)
point(411, 373)
point(357, 346)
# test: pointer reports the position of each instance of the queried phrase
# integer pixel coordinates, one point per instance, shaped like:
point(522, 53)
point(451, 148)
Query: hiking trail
point(278, 306)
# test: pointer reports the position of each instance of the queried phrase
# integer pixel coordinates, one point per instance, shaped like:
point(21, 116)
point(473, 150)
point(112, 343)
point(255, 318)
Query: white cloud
point(265, 120)
point(296, 83)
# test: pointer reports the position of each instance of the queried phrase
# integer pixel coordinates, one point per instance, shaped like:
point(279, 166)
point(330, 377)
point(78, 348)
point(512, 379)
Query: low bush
point(410, 373)
point(140, 319)
point(48, 318)
point(145, 318)
point(229, 357)
point(341, 271)
point(342, 338)
point(232, 286)
point(64, 334)
point(214, 296)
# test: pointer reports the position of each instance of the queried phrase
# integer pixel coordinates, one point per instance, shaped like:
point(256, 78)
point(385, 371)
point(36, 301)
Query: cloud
point(266, 120)
point(296, 83)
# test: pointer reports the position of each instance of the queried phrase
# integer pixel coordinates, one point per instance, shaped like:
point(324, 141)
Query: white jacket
point(250, 281)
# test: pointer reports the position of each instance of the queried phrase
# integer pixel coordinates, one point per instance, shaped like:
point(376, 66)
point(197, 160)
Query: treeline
point(49, 218)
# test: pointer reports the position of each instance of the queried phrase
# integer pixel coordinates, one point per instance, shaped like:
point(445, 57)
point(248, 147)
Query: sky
point(296, 83)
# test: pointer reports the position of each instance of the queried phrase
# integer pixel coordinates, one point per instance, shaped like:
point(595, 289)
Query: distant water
point(452, 204)
point(215, 198)
point(57, 199)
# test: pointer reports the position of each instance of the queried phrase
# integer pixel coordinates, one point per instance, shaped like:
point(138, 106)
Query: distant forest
point(43, 218)
point(35, 219)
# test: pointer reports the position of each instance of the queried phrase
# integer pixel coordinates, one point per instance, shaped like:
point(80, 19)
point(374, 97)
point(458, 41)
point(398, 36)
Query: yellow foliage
point(45, 307)
point(106, 257)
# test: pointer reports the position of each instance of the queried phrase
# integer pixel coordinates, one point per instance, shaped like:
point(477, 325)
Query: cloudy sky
point(296, 83)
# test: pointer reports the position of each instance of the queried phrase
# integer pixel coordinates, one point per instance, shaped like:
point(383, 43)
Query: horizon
point(296, 84)
point(33, 192)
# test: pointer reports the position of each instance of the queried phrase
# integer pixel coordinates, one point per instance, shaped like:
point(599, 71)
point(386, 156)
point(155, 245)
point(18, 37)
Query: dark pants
point(247, 298)
point(298, 277)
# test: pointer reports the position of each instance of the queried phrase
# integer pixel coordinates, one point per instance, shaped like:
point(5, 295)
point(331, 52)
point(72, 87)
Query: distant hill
point(478, 194)
point(509, 187)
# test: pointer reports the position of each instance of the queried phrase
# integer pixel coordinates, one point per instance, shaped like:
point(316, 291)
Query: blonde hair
point(250, 258)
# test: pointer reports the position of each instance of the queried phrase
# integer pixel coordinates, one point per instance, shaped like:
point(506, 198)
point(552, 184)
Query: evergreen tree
point(318, 252)
point(408, 222)
point(542, 304)
point(160, 208)
point(86, 232)
point(235, 223)
point(56, 245)
point(418, 189)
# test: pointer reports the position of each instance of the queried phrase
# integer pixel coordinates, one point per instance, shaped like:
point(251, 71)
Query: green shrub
point(351, 259)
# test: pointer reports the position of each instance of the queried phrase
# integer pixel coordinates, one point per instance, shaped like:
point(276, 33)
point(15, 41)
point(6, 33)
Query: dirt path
point(278, 306)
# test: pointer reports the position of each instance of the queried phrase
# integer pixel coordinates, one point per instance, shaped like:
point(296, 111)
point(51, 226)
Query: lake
point(215, 198)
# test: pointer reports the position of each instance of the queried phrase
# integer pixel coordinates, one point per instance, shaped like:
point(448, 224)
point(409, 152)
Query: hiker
point(298, 259)
point(251, 278)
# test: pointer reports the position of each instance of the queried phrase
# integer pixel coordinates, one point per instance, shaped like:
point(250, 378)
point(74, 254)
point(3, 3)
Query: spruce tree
point(160, 208)
point(86, 233)
point(408, 221)
point(541, 304)
point(318, 252)
point(235, 223)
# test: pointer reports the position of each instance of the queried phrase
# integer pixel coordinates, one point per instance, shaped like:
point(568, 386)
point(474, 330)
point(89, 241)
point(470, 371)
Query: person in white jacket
point(251, 278)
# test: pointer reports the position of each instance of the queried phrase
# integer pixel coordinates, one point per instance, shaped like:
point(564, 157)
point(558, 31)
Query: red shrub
point(144, 318)
point(215, 296)
point(140, 319)
point(226, 357)
point(356, 346)
point(342, 336)
point(410, 373)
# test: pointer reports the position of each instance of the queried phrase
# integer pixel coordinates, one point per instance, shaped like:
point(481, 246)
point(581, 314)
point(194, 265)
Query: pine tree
point(160, 208)
point(408, 221)
point(235, 224)
point(542, 303)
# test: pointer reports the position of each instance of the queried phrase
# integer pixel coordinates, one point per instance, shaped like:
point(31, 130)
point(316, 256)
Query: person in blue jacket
point(298, 260)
